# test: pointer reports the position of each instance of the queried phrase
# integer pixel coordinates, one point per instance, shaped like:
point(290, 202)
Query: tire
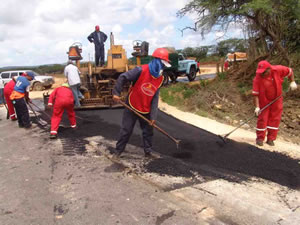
point(192, 74)
point(173, 77)
point(166, 78)
point(37, 86)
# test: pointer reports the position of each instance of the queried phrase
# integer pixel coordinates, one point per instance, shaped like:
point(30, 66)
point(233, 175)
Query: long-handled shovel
point(7, 112)
point(224, 137)
point(153, 125)
point(42, 122)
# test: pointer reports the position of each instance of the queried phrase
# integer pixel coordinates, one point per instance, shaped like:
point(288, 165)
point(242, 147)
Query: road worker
point(61, 99)
point(72, 74)
point(226, 65)
point(267, 85)
point(143, 97)
point(2, 100)
point(20, 96)
point(8, 89)
point(98, 38)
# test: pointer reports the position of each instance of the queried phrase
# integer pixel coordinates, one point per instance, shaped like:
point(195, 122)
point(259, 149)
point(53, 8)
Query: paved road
point(224, 182)
point(40, 184)
point(184, 79)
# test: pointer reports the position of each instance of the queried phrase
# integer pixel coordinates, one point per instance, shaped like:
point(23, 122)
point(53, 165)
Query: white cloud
point(35, 32)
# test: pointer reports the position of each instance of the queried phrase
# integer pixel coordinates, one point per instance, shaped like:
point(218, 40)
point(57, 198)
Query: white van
point(40, 82)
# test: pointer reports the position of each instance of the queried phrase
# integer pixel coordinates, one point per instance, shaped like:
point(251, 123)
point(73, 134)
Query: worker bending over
point(20, 96)
point(143, 97)
point(8, 89)
point(267, 86)
point(61, 99)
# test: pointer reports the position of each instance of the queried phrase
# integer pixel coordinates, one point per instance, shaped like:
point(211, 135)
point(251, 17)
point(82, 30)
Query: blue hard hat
point(31, 74)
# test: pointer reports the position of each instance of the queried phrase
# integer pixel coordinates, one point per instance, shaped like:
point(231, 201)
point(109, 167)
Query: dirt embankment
point(232, 103)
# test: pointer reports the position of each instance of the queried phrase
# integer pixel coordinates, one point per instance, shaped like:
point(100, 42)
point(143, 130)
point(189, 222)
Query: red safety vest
point(141, 94)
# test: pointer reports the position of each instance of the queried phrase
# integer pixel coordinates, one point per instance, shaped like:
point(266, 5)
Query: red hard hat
point(262, 66)
point(161, 53)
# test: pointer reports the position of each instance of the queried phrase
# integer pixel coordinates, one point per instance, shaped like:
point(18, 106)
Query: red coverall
point(8, 89)
point(62, 98)
point(267, 89)
point(226, 65)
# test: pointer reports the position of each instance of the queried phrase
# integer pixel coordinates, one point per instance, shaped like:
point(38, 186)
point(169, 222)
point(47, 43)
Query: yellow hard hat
point(65, 85)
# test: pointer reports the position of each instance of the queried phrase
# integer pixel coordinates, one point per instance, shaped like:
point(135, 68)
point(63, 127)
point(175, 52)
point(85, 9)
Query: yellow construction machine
point(97, 83)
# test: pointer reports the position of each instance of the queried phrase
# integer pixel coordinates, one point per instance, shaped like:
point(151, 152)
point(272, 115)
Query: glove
point(152, 122)
point(256, 111)
point(293, 85)
point(116, 98)
point(28, 100)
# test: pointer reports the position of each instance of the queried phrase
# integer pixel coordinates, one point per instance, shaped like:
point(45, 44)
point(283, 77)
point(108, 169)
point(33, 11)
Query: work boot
point(270, 142)
point(28, 126)
point(116, 155)
point(259, 142)
point(148, 155)
point(53, 136)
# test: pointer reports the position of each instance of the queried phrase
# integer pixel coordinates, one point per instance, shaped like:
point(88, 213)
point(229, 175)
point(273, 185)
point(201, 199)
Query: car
point(38, 84)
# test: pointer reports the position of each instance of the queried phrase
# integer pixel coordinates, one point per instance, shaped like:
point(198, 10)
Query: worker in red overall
point(143, 97)
point(8, 89)
point(61, 99)
point(267, 85)
point(226, 65)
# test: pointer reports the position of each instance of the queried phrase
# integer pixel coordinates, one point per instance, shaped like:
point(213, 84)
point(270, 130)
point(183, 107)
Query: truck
point(180, 66)
point(236, 56)
point(38, 84)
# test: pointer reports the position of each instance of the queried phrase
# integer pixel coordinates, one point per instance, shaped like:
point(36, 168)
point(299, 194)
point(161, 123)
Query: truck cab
point(180, 66)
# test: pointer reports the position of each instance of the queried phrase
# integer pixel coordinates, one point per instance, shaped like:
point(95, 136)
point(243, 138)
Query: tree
point(273, 22)
point(198, 52)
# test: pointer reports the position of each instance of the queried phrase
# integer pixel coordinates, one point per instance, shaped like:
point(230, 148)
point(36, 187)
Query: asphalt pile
point(198, 149)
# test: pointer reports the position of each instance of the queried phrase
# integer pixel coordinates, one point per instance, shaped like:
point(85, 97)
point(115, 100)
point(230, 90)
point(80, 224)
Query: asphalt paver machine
point(97, 83)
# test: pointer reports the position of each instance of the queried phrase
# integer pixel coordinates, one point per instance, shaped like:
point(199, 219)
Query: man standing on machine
point(98, 38)
point(267, 86)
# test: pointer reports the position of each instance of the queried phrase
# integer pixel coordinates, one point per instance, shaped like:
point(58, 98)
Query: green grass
point(177, 94)
point(222, 76)
point(244, 88)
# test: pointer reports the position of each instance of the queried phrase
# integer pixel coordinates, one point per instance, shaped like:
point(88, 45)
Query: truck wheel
point(192, 74)
point(38, 86)
point(166, 78)
point(173, 77)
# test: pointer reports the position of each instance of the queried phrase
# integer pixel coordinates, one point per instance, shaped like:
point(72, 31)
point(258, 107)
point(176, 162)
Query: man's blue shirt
point(22, 84)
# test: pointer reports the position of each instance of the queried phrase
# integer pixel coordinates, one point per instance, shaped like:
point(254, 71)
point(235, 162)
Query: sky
point(38, 32)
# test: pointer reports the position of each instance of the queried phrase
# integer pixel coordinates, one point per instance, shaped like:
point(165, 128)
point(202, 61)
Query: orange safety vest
point(141, 94)
point(16, 95)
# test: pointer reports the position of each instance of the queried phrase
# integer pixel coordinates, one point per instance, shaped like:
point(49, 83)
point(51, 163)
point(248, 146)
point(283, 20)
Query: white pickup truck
point(40, 82)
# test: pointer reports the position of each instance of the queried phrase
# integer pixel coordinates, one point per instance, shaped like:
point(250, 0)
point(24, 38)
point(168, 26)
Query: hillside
point(231, 103)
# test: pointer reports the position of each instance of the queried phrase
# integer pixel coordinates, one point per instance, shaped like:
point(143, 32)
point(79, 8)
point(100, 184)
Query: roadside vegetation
point(272, 29)
point(43, 69)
